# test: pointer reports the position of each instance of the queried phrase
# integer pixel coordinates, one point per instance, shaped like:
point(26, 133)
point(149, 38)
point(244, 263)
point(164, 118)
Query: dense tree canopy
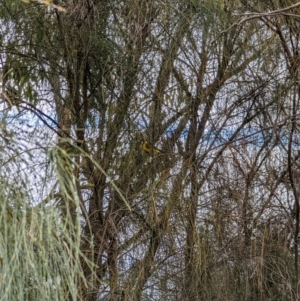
point(208, 208)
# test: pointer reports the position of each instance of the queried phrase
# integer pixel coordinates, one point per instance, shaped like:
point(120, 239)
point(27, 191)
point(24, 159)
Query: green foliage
point(214, 85)
point(40, 252)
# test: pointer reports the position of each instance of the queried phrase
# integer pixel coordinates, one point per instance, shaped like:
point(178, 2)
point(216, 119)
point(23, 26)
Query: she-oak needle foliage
point(89, 211)
point(39, 248)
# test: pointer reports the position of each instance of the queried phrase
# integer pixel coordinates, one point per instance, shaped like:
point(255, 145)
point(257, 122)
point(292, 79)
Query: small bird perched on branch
point(149, 149)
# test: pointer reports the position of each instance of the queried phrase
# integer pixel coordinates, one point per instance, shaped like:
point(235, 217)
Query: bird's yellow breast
point(150, 150)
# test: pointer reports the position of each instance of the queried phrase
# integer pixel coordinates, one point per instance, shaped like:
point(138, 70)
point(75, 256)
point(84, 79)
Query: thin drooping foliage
point(149, 150)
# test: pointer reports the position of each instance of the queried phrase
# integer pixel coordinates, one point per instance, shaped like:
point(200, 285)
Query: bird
point(150, 150)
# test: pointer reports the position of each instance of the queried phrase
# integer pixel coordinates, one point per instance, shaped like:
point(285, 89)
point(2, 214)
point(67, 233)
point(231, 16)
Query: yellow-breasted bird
point(149, 149)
